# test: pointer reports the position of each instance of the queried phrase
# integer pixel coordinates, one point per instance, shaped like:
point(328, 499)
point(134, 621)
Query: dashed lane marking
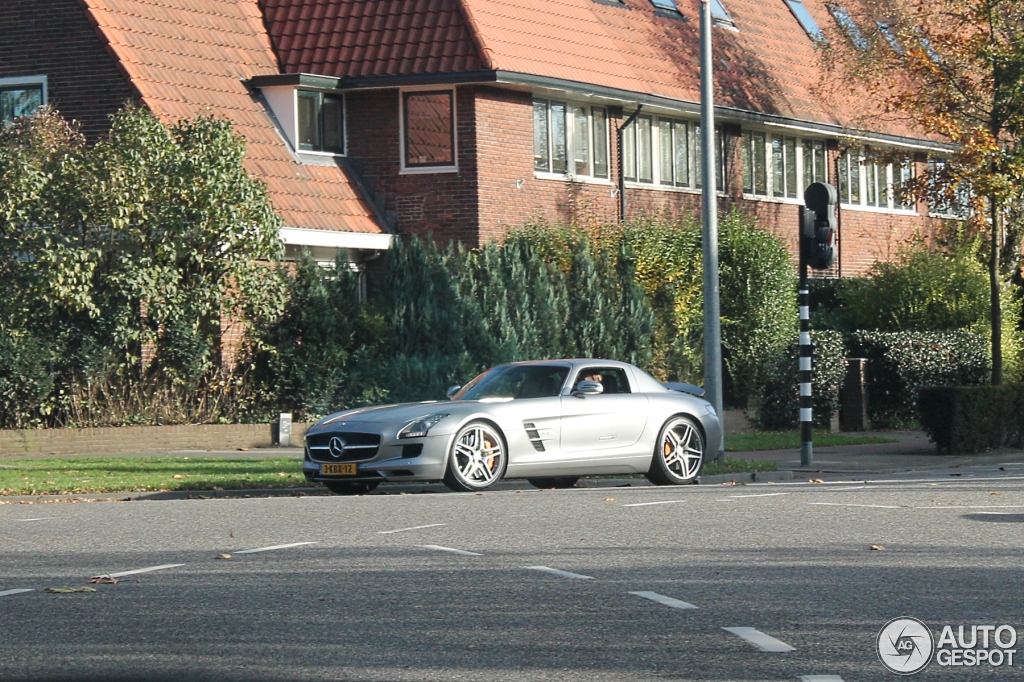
point(760, 640)
point(647, 504)
point(20, 590)
point(564, 574)
point(273, 547)
point(821, 678)
point(977, 506)
point(439, 548)
point(402, 530)
point(141, 570)
point(42, 518)
point(843, 504)
point(667, 601)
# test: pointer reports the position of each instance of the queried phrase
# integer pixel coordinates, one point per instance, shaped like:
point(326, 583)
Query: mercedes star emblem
point(337, 446)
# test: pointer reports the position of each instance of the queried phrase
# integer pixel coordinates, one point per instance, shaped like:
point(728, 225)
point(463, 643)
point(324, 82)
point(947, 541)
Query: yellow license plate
point(338, 470)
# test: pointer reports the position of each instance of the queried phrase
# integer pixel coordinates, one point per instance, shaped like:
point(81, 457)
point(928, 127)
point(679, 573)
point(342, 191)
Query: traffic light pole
point(806, 351)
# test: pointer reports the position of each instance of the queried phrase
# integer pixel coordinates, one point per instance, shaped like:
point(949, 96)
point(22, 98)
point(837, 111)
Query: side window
point(429, 129)
point(613, 379)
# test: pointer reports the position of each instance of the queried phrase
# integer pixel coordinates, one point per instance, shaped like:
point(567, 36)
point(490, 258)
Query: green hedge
point(902, 363)
point(972, 418)
point(780, 391)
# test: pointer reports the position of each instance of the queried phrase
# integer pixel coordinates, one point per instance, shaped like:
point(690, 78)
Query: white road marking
point(140, 570)
point(667, 601)
point(564, 574)
point(42, 518)
point(647, 504)
point(439, 548)
point(760, 640)
point(843, 504)
point(740, 497)
point(831, 490)
point(402, 530)
point(977, 506)
point(17, 591)
point(273, 547)
point(821, 678)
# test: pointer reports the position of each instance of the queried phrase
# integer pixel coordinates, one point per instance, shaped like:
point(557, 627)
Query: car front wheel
point(477, 459)
point(679, 453)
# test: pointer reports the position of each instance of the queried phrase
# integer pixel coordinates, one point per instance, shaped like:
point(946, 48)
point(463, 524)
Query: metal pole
point(709, 214)
point(806, 353)
point(620, 131)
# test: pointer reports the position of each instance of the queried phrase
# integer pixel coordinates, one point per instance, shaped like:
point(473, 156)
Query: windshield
point(516, 382)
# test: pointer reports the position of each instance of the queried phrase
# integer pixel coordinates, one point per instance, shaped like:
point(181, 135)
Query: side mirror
point(452, 390)
point(588, 387)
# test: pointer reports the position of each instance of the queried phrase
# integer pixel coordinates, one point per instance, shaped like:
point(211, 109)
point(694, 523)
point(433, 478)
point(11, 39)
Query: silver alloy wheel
point(478, 455)
point(682, 448)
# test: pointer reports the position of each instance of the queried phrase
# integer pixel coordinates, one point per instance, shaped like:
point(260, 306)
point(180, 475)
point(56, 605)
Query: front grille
point(357, 447)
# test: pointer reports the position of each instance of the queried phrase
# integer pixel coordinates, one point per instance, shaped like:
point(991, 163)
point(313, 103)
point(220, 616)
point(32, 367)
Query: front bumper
point(394, 461)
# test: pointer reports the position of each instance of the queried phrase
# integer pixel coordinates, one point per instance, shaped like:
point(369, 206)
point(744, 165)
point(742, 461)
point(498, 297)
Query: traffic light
point(818, 225)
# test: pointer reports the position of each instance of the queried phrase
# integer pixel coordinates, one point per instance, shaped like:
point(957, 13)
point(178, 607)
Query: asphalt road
point(381, 596)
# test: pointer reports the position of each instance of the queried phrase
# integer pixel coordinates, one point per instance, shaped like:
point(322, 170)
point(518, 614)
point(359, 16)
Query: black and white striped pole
point(817, 250)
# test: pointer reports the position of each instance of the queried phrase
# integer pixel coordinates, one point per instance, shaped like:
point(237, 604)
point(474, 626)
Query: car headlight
point(710, 409)
point(420, 427)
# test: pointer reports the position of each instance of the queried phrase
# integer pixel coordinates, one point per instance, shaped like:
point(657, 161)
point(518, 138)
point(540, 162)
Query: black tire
point(679, 453)
point(352, 487)
point(477, 458)
point(554, 481)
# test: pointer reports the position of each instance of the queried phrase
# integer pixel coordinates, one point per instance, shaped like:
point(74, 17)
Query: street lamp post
point(709, 213)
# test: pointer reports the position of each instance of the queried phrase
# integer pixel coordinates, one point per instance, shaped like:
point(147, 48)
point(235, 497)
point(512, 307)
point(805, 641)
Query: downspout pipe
point(622, 164)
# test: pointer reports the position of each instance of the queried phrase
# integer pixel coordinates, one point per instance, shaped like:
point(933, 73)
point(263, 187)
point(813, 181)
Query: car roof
point(574, 362)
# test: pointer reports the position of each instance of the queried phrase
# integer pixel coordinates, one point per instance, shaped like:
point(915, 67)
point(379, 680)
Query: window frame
point(418, 169)
point(805, 20)
point(24, 83)
point(334, 94)
point(595, 141)
point(796, 172)
point(875, 181)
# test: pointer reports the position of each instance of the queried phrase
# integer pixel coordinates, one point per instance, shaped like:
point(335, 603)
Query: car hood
point(388, 414)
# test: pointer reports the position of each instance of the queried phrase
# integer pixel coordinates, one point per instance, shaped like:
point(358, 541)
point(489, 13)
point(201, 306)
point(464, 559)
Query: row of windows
point(780, 165)
point(865, 182)
point(428, 126)
point(570, 138)
point(666, 151)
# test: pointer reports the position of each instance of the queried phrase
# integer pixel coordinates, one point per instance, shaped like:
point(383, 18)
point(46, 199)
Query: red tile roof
point(351, 38)
point(188, 58)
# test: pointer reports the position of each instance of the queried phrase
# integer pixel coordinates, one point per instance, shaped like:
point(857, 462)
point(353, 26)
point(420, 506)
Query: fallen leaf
point(956, 474)
point(479, 494)
point(222, 556)
point(729, 483)
point(282, 473)
point(177, 476)
point(231, 533)
point(995, 493)
point(68, 590)
point(877, 547)
point(815, 480)
point(104, 580)
point(242, 449)
point(609, 499)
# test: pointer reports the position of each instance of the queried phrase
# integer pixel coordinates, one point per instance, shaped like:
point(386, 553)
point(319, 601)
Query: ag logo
point(905, 645)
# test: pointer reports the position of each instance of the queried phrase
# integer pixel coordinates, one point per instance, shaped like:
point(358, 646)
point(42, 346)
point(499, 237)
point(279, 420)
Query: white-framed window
point(720, 15)
point(665, 152)
point(779, 165)
point(21, 96)
point(864, 181)
point(320, 121)
point(570, 139)
point(427, 130)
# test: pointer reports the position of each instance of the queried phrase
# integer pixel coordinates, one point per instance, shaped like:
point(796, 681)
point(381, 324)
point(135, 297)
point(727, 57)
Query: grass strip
point(785, 440)
point(122, 474)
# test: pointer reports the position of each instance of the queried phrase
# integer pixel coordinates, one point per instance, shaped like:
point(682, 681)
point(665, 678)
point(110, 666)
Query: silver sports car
point(547, 421)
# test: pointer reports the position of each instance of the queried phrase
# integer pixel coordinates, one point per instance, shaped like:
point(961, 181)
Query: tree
point(952, 69)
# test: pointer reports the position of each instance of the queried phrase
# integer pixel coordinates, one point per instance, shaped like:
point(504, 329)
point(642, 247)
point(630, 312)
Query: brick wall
point(154, 439)
point(443, 204)
point(55, 38)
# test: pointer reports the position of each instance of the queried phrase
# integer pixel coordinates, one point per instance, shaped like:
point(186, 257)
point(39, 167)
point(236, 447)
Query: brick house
point(461, 118)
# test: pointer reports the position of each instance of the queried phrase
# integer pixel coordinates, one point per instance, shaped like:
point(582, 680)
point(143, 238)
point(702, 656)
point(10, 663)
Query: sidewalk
point(912, 451)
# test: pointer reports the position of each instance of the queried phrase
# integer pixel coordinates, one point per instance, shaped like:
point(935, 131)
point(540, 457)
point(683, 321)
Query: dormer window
point(669, 5)
point(321, 122)
point(806, 20)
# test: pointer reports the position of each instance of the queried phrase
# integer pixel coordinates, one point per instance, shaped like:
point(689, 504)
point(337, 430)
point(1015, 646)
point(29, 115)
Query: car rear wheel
point(477, 459)
point(352, 487)
point(679, 453)
point(554, 482)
